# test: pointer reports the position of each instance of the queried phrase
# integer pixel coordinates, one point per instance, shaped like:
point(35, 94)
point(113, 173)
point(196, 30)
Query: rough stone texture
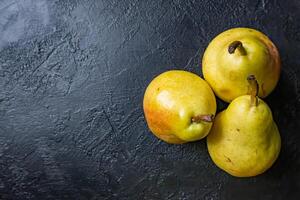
point(72, 78)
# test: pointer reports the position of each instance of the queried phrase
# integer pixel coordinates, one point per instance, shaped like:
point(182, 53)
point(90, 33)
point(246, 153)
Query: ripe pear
point(233, 55)
point(244, 140)
point(179, 107)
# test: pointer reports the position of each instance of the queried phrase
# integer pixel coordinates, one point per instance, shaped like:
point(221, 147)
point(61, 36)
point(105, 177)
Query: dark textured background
point(72, 79)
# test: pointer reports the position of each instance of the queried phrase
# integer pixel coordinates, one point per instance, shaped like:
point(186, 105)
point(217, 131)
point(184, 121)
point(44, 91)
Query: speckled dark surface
point(72, 78)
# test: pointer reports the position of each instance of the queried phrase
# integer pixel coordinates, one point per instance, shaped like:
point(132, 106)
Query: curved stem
point(236, 45)
point(253, 89)
point(204, 118)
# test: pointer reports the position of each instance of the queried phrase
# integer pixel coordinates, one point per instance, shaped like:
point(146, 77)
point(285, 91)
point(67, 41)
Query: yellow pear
point(244, 140)
point(179, 107)
point(236, 53)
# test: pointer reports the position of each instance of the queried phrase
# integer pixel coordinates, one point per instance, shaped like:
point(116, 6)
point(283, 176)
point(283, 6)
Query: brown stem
point(236, 45)
point(204, 118)
point(253, 89)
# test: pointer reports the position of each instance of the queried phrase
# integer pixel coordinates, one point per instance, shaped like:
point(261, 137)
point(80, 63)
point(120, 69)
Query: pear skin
point(244, 140)
point(233, 55)
point(179, 107)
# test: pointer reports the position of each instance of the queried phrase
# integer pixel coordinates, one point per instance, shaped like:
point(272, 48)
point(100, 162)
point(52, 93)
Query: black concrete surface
point(72, 79)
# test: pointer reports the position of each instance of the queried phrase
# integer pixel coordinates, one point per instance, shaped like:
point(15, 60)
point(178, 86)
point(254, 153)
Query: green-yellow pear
point(244, 140)
point(233, 55)
point(179, 107)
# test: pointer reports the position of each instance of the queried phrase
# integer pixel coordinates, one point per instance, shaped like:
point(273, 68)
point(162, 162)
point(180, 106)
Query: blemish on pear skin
point(238, 130)
point(227, 159)
point(158, 89)
point(225, 91)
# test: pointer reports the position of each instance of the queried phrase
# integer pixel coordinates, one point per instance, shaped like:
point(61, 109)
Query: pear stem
point(204, 118)
point(253, 89)
point(237, 45)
